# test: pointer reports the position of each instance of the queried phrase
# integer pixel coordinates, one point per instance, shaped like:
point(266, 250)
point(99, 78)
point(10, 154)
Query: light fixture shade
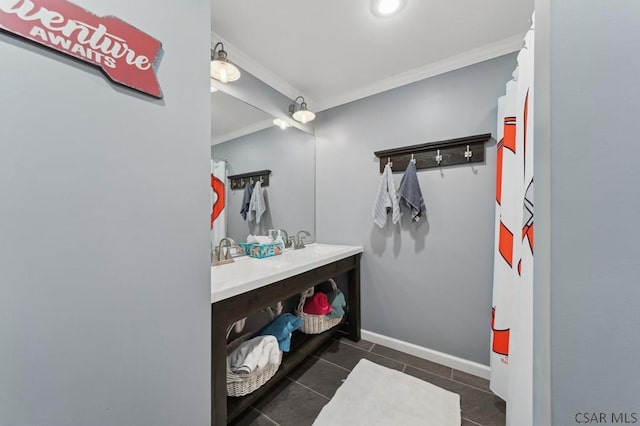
point(299, 111)
point(221, 69)
point(303, 116)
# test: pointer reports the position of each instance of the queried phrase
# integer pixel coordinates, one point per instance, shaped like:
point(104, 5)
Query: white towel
point(257, 206)
point(386, 200)
point(254, 354)
point(258, 239)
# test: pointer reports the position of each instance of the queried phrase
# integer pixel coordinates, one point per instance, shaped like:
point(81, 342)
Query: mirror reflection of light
point(281, 123)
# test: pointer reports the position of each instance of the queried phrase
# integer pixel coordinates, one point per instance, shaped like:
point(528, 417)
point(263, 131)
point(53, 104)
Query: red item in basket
point(318, 304)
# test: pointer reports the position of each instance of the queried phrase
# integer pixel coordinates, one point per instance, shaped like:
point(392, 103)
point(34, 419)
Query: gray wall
point(104, 289)
point(290, 196)
point(429, 284)
point(542, 264)
point(593, 196)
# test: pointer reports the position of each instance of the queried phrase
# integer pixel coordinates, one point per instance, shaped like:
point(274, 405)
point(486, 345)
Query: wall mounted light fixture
point(221, 69)
point(299, 111)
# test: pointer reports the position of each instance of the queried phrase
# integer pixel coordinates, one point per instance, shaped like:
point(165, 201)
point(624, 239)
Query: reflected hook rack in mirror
point(240, 180)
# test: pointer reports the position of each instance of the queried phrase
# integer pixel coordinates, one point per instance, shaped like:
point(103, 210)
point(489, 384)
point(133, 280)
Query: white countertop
point(247, 274)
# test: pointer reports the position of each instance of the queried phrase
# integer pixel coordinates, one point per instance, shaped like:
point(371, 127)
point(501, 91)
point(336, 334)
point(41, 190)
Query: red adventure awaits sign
point(125, 54)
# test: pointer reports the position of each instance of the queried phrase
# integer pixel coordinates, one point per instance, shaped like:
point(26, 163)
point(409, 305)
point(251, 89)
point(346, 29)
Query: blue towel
point(281, 328)
point(410, 193)
point(246, 199)
point(338, 303)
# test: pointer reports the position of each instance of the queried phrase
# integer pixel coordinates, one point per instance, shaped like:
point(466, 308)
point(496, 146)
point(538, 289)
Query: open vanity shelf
point(264, 287)
point(302, 346)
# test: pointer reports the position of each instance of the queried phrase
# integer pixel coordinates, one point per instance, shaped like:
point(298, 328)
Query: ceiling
point(232, 118)
point(336, 51)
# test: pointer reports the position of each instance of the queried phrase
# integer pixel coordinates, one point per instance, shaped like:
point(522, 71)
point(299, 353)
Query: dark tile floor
point(297, 400)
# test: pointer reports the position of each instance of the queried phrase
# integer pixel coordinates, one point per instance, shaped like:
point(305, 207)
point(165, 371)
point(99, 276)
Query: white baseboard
point(461, 364)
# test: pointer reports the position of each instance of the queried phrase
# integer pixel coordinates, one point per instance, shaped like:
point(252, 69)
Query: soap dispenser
point(279, 240)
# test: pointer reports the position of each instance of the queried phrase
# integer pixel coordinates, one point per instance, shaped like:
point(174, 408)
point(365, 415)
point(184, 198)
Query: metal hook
point(468, 154)
point(389, 162)
point(438, 157)
point(413, 160)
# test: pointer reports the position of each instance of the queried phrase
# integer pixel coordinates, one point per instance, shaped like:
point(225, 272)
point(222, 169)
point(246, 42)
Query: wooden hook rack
point(239, 181)
point(450, 152)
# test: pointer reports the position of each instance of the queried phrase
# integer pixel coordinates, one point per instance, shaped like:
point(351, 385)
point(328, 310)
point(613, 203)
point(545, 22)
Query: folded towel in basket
point(281, 328)
point(410, 193)
point(254, 355)
point(338, 303)
point(318, 304)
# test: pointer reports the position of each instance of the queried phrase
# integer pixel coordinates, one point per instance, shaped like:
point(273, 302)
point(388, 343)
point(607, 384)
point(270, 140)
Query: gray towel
point(410, 193)
point(246, 199)
point(257, 205)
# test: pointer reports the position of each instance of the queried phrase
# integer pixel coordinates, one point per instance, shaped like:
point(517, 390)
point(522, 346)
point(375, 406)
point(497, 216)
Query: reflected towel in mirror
point(246, 200)
point(257, 206)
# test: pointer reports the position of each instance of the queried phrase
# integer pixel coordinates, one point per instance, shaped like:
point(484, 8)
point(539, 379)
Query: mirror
point(246, 138)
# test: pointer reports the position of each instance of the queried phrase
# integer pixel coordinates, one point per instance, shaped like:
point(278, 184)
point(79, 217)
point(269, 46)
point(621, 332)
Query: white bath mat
point(373, 395)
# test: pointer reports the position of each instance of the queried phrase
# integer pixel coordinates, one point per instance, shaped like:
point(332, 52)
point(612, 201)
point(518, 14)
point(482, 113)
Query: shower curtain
point(511, 316)
point(218, 201)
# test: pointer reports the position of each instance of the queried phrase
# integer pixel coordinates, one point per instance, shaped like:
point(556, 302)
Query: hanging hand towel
point(246, 200)
point(386, 200)
point(257, 206)
point(410, 192)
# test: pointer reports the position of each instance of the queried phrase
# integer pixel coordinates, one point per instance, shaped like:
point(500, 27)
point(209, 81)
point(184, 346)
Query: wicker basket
point(315, 324)
point(244, 384)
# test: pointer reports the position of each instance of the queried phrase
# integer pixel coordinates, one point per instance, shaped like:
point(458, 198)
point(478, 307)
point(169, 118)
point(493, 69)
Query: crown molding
point(474, 56)
point(259, 71)
point(260, 125)
point(494, 50)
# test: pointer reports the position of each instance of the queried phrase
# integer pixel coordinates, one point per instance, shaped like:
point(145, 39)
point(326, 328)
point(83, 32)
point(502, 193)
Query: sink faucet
point(285, 237)
point(218, 257)
point(298, 240)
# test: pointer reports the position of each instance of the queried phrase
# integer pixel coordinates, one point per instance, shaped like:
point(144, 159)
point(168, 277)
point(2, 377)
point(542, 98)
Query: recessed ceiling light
point(386, 7)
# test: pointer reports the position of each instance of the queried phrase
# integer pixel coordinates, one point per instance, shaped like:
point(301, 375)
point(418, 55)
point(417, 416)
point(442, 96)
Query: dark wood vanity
point(228, 310)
